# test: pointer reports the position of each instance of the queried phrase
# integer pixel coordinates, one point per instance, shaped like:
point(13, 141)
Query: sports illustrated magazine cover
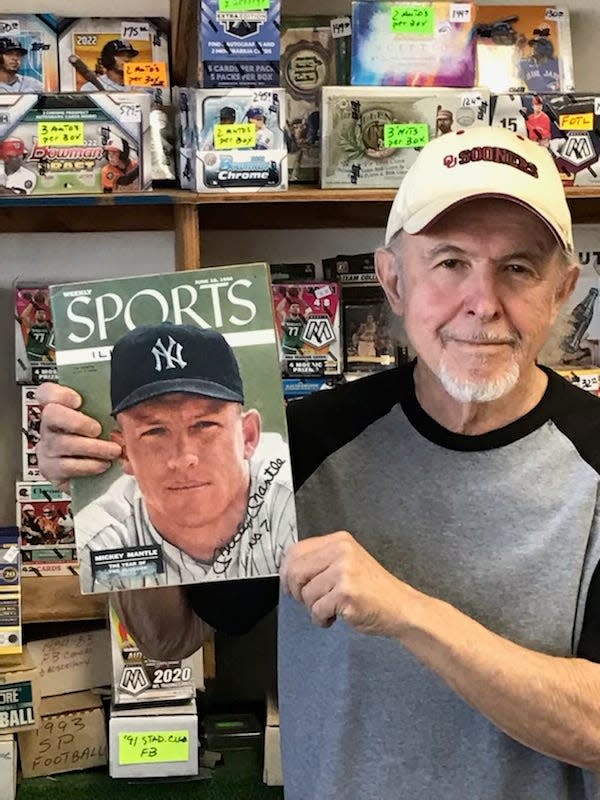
point(182, 371)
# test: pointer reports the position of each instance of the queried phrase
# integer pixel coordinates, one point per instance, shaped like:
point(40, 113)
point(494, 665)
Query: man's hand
point(69, 446)
point(333, 576)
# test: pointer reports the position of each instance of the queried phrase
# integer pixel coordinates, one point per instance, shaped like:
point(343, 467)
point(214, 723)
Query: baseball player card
point(28, 55)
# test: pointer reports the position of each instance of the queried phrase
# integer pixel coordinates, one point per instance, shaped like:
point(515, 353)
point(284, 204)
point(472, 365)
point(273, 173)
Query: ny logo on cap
point(172, 355)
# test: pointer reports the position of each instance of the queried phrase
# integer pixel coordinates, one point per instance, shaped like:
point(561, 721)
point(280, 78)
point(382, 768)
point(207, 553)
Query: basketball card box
point(35, 357)
point(421, 44)
point(75, 143)
point(31, 418)
point(351, 270)
point(28, 55)
point(44, 516)
point(372, 135)
point(308, 325)
point(284, 273)
point(45, 562)
point(368, 342)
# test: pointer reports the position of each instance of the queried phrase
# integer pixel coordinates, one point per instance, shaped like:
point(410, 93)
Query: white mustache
point(482, 337)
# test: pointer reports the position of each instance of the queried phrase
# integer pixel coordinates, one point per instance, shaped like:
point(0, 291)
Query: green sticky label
point(153, 747)
point(235, 137)
point(244, 5)
point(60, 134)
point(412, 19)
point(402, 135)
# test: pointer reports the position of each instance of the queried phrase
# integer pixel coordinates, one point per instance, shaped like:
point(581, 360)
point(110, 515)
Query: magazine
point(182, 371)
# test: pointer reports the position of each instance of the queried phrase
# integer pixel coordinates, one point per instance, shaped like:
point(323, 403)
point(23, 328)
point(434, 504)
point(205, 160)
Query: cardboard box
point(19, 694)
point(10, 593)
point(8, 767)
point(71, 736)
point(153, 742)
point(272, 769)
point(72, 663)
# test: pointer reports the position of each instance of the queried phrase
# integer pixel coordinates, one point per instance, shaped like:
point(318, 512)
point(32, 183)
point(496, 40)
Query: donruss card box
point(43, 516)
point(34, 336)
point(28, 55)
point(524, 48)
point(31, 418)
point(239, 48)
point(74, 144)
point(416, 44)
point(194, 353)
point(372, 135)
point(116, 55)
point(308, 324)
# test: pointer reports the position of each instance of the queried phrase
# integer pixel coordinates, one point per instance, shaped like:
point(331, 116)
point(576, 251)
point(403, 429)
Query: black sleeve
point(234, 607)
point(589, 641)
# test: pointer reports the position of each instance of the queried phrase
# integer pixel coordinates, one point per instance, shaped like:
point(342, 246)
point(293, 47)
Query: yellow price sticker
point(145, 73)
point(576, 122)
point(235, 137)
point(60, 133)
point(402, 135)
point(153, 747)
point(412, 19)
point(244, 5)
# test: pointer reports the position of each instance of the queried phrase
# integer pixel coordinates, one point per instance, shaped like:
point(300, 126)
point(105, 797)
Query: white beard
point(483, 391)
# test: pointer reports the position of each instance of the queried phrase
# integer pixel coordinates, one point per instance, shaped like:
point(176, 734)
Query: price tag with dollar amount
point(244, 5)
point(153, 747)
point(412, 19)
point(130, 112)
point(145, 73)
point(398, 135)
point(60, 134)
point(235, 137)
point(576, 122)
point(555, 14)
point(340, 27)
point(132, 31)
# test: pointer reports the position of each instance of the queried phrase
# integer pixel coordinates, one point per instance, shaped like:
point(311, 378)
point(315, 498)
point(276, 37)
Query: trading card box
point(349, 270)
point(35, 357)
point(75, 143)
point(524, 48)
point(94, 52)
point(368, 341)
point(43, 562)
point(421, 44)
point(239, 48)
point(296, 388)
point(587, 378)
point(359, 126)
point(308, 325)
point(185, 136)
point(283, 273)
point(43, 516)
point(31, 418)
point(28, 55)
point(10, 592)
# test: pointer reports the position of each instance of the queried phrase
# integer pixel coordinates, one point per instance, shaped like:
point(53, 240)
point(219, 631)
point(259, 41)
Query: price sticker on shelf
point(130, 112)
point(60, 133)
point(244, 5)
point(340, 27)
point(460, 12)
point(471, 100)
point(400, 135)
point(576, 122)
point(153, 747)
point(412, 19)
point(145, 73)
point(235, 137)
point(135, 31)
point(555, 14)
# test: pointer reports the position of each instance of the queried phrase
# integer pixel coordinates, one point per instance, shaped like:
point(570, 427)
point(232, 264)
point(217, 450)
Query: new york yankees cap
point(153, 360)
point(480, 162)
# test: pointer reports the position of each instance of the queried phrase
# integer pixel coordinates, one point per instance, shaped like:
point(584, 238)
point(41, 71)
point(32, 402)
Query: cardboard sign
point(235, 137)
point(576, 122)
point(8, 767)
point(72, 663)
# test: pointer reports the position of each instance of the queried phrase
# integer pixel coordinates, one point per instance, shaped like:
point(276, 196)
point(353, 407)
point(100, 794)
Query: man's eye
point(517, 269)
point(450, 263)
point(153, 432)
point(204, 424)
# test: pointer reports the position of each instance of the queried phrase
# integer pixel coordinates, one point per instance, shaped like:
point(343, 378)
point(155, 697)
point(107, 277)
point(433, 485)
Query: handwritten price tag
point(412, 19)
point(555, 13)
point(135, 31)
point(145, 73)
point(235, 137)
point(576, 122)
point(244, 5)
point(460, 12)
point(10, 26)
point(130, 112)
point(340, 27)
point(149, 747)
point(401, 135)
point(60, 133)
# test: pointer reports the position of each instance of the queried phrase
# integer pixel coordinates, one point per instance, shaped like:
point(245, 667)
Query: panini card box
point(31, 418)
point(28, 55)
point(43, 516)
point(74, 143)
point(308, 325)
point(296, 388)
point(351, 270)
point(10, 593)
point(420, 44)
point(283, 273)
point(94, 54)
point(35, 357)
point(359, 125)
point(524, 48)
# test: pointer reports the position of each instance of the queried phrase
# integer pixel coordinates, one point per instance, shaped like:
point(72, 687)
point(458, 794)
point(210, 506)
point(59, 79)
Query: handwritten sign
point(73, 662)
point(135, 31)
point(153, 747)
point(244, 5)
point(130, 112)
point(555, 13)
point(576, 122)
point(401, 135)
point(235, 137)
point(145, 73)
point(60, 133)
point(340, 27)
point(412, 19)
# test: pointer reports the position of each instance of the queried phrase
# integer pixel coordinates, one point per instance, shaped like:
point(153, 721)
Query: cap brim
point(187, 385)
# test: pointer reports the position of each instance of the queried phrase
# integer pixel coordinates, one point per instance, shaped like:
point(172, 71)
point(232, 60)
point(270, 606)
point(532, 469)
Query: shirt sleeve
point(589, 640)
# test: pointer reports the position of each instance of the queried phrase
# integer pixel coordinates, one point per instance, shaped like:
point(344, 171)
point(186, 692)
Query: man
point(539, 126)
point(11, 55)
point(14, 177)
point(199, 482)
point(455, 606)
point(291, 331)
point(264, 136)
point(122, 172)
point(111, 66)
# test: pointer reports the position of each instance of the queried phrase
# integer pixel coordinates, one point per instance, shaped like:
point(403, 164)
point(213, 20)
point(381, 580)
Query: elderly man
point(449, 624)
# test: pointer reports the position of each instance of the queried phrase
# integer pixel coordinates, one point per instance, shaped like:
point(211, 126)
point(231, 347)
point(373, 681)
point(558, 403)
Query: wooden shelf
point(57, 599)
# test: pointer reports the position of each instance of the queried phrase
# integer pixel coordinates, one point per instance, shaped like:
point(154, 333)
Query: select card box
point(35, 356)
point(420, 44)
point(28, 55)
point(44, 516)
point(372, 135)
point(31, 419)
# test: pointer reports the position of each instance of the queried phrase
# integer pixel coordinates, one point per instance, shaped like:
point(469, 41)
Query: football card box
point(11, 641)
point(423, 44)
point(356, 120)
point(28, 55)
point(44, 516)
point(43, 562)
point(35, 360)
point(524, 48)
point(31, 418)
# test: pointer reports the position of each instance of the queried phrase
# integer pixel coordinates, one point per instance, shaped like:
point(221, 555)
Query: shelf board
point(58, 599)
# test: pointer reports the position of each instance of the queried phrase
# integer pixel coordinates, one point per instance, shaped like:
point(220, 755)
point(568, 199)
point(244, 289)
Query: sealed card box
point(31, 418)
point(28, 55)
point(43, 516)
point(34, 336)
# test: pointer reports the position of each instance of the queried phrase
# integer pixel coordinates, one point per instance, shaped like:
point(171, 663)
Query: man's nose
point(184, 454)
point(481, 298)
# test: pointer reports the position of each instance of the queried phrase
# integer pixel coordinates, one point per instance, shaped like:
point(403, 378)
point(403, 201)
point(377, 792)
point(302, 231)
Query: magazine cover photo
point(182, 371)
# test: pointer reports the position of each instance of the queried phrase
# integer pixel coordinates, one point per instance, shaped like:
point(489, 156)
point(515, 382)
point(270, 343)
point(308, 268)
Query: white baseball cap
point(480, 162)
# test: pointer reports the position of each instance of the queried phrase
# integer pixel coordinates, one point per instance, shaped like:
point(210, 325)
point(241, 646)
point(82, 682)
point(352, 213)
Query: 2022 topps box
point(35, 356)
point(28, 55)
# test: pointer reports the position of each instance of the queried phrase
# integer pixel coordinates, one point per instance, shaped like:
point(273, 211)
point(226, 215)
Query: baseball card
point(587, 379)
point(372, 135)
point(28, 55)
point(44, 516)
point(31, 419)
point(420, 44)
point(308, 323)
point(524, 48)
point(34, 336)
point(44, 562)
point(11, 641)
point(182, 370)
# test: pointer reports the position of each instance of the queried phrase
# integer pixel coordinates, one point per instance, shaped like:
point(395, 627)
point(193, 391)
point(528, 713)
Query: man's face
point(13, 163)
point(113, 157)
point(11, 60)
point(121, 58)
point(189, 454)
point(258, 121)
point(479, 292)
point(294, 310)
point(537, 107)
point(40, 315)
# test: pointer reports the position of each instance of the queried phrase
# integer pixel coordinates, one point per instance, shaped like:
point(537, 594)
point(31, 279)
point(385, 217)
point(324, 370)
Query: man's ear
point(117, 436)
point(388, 275)
point(251, 426)
point(567, 284)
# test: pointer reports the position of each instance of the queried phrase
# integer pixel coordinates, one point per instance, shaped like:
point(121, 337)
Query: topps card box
point(34, 336)
point(28, 55)
point(372, 135)
point(308, 325)
point(31, 419)
point(524, 48)
point(420, 44)
point(43, 516)
point(74, 144)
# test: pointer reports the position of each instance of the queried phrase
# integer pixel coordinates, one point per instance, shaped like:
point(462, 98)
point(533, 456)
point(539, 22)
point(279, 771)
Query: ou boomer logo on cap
point(497, 155)
point(172, 353)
